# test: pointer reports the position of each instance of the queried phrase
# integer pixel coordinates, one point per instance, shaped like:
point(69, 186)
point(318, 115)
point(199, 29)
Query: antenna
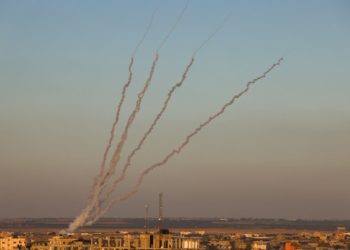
point(146, 218)
point(160, 209)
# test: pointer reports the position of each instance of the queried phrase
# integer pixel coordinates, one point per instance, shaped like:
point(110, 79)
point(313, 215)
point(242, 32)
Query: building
point(12, 242)
point(259, 245)
point(39, 245)
point(145, 241)
point(69, 243)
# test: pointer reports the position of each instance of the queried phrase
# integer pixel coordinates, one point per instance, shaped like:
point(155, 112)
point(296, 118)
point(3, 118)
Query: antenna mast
point(160, 209)
point(146, 218)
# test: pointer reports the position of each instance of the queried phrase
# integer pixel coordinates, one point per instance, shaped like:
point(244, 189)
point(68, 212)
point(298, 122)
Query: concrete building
point(12, 242)
point(259, 245)
point(144, 241)
point(69, 243)
point(39, 245)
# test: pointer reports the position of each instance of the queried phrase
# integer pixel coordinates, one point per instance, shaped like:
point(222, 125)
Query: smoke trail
point(145, 33)
point(96, 192)
point(174, 26)
point(92, 198)
point(102, 179)
point(159, 115)
point(187, 139)
point(227, 17)
point(125, 87)
point(148, 132)
point(116, 156)
point(94, 201)
point(120, 104)
point(116, 120)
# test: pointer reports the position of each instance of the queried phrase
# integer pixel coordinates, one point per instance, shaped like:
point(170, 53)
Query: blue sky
point(62, 66)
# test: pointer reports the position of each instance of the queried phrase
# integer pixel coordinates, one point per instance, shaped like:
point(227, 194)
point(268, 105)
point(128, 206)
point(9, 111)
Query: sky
point(281, 151)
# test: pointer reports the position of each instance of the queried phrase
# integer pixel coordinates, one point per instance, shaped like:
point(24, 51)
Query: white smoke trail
point(145, 136)
point(96, 192)
point(103, 178)
point(121, 102)
point(157, 118)
point(159, 115)
point(92, 196)
point(116, 120)
point(187, 140)
point(116, 156)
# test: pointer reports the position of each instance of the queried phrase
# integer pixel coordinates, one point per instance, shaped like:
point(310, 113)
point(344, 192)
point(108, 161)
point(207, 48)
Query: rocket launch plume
point(92, 199)
point(159, 115)
point(99, 201)
point(198, 129)
point(148, 132)
point(116, 120)
point(116, 156)
point(187, 140)
point(105, 197)
point(98, 188)
point(101, 181)
point(164, 107)
point(92, 196)
point(120, 104)
point(111, 137)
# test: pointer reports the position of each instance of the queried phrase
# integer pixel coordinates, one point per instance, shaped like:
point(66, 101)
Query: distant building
point(259, 245)
point(145, 241)
point(200, 232)
point(12, 242)
point(241, 244)
point(39, 245)
point(69, 243)
point(221, 244)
